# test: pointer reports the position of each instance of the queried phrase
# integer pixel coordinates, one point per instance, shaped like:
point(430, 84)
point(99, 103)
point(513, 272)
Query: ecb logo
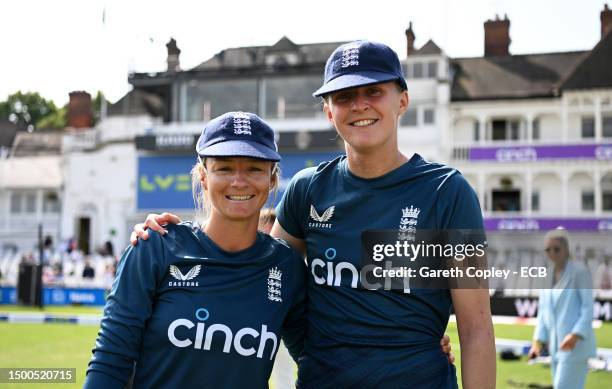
point(174, 182)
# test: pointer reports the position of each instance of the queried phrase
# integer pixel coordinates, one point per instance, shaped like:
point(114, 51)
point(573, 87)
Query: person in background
point(88, 271)
point(565, 315)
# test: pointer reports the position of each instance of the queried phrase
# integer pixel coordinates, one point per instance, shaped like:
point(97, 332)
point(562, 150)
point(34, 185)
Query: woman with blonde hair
point(206, 307)
point(565, 315)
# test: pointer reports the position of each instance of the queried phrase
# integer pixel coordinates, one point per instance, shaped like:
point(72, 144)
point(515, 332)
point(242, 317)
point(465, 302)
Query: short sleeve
point(458, 206)
point(292, 211)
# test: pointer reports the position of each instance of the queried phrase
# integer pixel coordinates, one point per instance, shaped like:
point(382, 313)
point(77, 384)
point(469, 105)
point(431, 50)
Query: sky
point(54, 47)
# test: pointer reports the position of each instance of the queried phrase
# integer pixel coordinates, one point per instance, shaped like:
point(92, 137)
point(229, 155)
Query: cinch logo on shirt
point(202, 339)
point(333, 273)
point(321, 221)
point(184, 280)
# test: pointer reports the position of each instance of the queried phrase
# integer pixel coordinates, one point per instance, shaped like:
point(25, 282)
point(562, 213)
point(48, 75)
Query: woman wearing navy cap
point(206, 307)
point(358, 337)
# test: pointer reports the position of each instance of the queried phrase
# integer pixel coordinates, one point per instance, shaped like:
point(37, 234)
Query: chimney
point(497, 37)
point(80, 114)
point(410, 39)
point(606, 21)
point(173, 56)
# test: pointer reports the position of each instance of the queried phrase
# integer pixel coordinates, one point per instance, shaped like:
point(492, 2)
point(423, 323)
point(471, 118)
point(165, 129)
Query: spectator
point(88, 271)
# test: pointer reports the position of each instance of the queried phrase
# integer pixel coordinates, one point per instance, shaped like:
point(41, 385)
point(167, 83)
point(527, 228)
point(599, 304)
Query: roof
point(283, 45)
point(31, 172)
point(37, 143)
point(137, 102)
point(8, 130)
point(512, 76)
point(595, 70)
point(429, 48)
point(246, 57)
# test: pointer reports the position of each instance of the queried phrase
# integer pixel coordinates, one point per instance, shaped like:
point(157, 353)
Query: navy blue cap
point(238, 134)
point(358, 64)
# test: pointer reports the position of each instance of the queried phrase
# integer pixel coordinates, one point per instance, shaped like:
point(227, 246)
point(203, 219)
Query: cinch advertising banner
point(571, 224)
point(164, 182)
point(594, 151)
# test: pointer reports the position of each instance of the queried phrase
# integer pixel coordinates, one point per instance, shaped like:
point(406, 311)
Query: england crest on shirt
point(408, 223)
point(275, 284)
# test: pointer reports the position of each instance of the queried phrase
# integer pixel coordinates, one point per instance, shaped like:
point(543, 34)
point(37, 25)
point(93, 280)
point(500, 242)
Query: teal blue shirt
point(372, 338)
point(188, 314)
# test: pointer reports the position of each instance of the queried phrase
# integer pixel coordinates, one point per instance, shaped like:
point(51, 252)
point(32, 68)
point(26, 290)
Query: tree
point(56, 119)
point(31, 111)
point(97, 106)
point(26, 109)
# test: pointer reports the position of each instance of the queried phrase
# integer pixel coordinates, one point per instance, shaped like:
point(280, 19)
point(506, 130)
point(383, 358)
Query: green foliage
point(31, 111)
point(56, 119)
point(26, 109)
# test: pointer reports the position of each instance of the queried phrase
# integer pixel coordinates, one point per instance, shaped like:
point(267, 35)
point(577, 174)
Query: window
point(606, 192)
point(410, 118)
point(588, 200)
point(499, 129)
point(285, 97)
point(514, 130)
point(476, 130)
point(588, 127)
point(535, 129)
point(432, 70)
point(606, 200)
point(30, 203)
point(417, 70)
point(16, 202)
point(51, 203)
point(215, 97)
point(429, 116)
point(23, 202)
point(535, 201)
point(503, 129)
point(506, 200)
point(607, 126)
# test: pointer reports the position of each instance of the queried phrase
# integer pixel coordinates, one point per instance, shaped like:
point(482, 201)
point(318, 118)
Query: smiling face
point(367, 117)
point(237, 187)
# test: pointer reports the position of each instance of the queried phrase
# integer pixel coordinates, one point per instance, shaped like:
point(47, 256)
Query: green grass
point(67, 309)
point(69, 345)
point(46, 345)
point(520, 371)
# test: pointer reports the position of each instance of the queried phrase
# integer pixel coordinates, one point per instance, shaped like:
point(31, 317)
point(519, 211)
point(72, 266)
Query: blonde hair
point(559, 234)
point(200, 197)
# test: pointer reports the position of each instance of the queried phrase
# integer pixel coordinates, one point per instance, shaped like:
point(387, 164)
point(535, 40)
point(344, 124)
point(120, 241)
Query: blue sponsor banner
point(164, 182)
point(292, 163)
point(60, 296)
point(8, 295)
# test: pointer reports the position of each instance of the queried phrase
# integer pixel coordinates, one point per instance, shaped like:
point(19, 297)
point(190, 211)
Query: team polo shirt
point(372, 338)
point(188, 314)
